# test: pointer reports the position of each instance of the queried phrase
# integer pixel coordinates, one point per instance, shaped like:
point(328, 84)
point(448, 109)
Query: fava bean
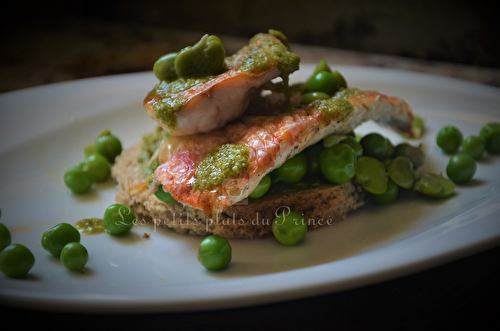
point(435, 186)
point(415, 154)
point(401, 171)
point(389, 195)
point(372, 175)
point(354, 144)
point(376, 146)
point(338, 163)
point(334, 139)
point(206, 57)
point(164, 68)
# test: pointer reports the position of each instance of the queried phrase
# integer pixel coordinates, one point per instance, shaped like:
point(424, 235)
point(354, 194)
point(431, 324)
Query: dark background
point(446, 30)
point(49, 41)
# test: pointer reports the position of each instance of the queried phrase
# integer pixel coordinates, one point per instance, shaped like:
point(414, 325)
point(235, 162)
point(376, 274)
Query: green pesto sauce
point(223, 162)
point(337, 107)
point(269, 52)
point(90, 226)
point(257, 59)
point(167, 104)
point(150, 143)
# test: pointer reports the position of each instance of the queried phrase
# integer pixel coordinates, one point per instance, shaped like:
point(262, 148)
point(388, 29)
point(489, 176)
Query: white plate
point(44, 130)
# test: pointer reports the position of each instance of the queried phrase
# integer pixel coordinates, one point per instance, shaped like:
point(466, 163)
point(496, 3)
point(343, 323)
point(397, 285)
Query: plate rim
point(119, 306)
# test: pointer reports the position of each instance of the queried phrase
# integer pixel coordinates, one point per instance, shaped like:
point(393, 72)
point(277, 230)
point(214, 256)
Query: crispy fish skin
point(271, 140)
point(212, 102)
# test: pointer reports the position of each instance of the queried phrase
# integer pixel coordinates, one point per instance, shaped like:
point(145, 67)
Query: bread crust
point(321, 205)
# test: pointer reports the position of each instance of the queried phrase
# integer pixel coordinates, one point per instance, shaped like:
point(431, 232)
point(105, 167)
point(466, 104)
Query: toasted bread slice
point(320, 203)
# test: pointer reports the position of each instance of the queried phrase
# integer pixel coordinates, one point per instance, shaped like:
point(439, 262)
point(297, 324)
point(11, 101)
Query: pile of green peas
point(63, 241)
point(462, 165)
point(372, 160)
point(323, 83)
point(206, 57)
point(96, 167)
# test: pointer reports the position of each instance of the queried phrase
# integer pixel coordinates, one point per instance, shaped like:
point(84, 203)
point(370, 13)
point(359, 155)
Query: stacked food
point(237, 145)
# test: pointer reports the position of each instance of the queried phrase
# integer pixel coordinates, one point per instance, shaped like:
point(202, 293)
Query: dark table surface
point(462, 294)
point(459, 295)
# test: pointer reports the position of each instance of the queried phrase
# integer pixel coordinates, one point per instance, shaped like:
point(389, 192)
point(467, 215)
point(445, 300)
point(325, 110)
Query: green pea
point(321, 66)
point(474, 146)
point(105, 132)
point(312, 154)
point(377, 146)
point(77, 179)
point(324, 82)
point(214, 252)
point(418, 125)
point(262, 188)
point(118, 219)
point(389, 195)
point(461, 168)
point(289, 228)
point(293, 169)
point(281, 37)
point(97, 167)
point(339, 78)
point(74, 256)
point(164, 68)
point(206, 57)
point(108, 146)
point(415, 154)
point(163, 195)
point(334, 139)
point(435, 186)
point(354, 144)
point(449, 139)
point(386, 162)
point(401, 171)
point(16, 260)
point(58, 236)
point(88, 150)
point(5, 237)
point(313, 96)
point(491, 135)
point(338, 163)
point(372, 175)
